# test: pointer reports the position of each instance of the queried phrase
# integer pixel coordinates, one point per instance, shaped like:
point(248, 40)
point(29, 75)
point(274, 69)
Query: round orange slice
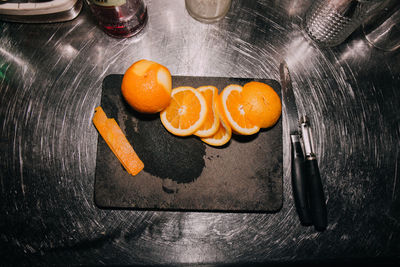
point(186, 112)
point(234, 108)
point(224, 133)
point(211, 124)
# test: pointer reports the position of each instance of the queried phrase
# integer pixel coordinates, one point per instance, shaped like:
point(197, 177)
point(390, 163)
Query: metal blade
point(289, 102)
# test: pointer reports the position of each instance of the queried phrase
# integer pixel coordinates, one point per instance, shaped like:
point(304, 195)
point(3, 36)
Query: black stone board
point(183, 173)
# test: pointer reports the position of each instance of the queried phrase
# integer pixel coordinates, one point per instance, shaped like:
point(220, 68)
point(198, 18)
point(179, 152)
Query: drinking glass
point(207, 11)
point(383, 29)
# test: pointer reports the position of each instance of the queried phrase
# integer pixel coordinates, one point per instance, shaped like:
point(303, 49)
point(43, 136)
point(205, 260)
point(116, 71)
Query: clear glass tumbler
point(208, 11)
point(383, 29)
point(119, 18)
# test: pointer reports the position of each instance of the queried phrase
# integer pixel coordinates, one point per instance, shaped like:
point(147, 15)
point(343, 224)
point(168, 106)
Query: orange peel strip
point(116, 140)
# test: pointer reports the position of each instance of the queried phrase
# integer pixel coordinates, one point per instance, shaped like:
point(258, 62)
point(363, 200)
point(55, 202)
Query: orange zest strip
point(116, 140)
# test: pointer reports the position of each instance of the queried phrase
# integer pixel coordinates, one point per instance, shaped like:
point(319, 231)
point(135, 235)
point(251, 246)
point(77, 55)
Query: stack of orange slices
point(213, 117)
point(195, 111)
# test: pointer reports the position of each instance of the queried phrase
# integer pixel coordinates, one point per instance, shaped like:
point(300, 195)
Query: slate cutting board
point(183, 173)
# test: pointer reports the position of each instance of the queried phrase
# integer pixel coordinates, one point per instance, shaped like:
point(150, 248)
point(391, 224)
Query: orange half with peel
point(186, 112)
point(263, 105)
point(211, 124)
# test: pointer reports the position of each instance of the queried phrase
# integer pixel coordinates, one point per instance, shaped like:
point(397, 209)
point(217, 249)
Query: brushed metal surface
point(50, 83)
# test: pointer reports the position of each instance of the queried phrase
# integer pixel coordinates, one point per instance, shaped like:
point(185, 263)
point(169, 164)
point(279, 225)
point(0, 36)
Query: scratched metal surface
point(50, 83)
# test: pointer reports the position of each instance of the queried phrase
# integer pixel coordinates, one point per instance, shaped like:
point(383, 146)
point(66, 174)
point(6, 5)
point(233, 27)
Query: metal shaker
point(330, 22)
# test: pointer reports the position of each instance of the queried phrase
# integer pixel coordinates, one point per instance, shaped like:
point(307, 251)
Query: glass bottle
point(119, 18)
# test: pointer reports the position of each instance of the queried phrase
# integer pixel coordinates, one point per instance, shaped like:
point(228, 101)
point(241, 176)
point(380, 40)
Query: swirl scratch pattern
point(49, 88)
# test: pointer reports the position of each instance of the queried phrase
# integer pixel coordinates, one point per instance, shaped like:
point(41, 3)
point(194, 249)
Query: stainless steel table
point(50, 82)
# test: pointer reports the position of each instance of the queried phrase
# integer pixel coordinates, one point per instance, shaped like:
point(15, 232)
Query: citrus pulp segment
point(224, 133)
point(211, 124)
point(186, 112)
point(234, 109)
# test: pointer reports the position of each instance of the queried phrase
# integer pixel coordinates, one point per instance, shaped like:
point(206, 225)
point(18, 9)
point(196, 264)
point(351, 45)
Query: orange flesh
point(237, 109)
point(223, 130)
point(208, 95)
point(184, 110)
point(116, 140)
point(220, 133)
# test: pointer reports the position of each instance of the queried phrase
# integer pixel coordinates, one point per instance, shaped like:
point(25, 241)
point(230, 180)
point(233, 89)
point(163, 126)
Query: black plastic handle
point(299, 185)
point(316, 195)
